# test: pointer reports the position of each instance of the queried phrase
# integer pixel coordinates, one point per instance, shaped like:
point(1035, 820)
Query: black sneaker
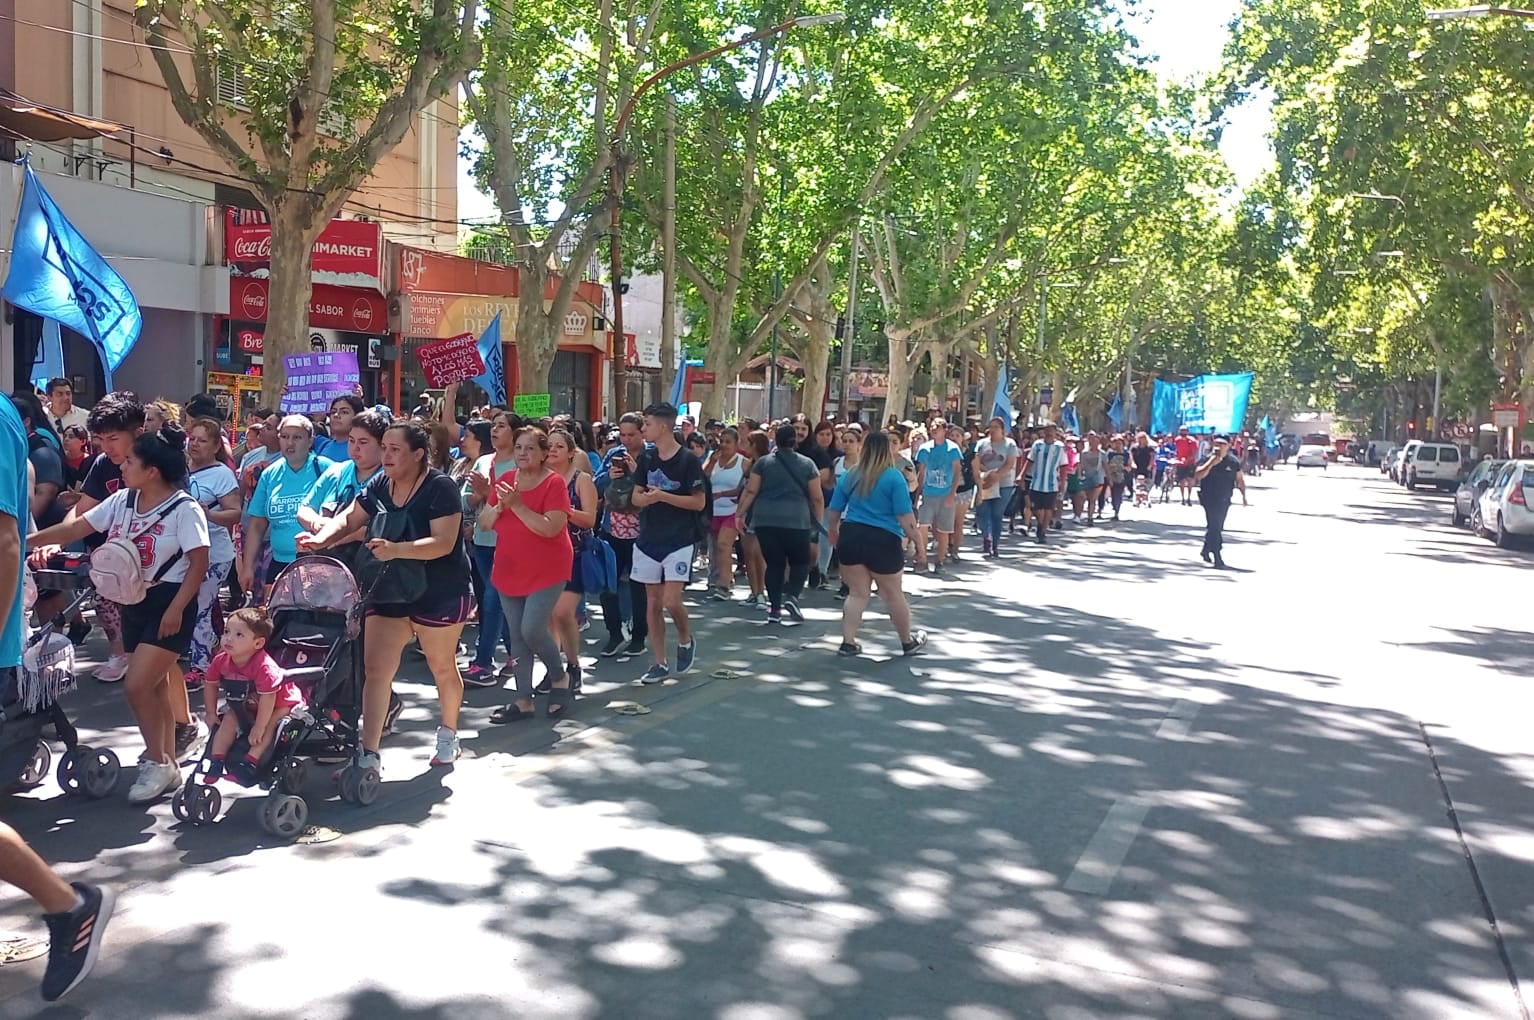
point(77, 632)
point(842, 593)
point(74, 939)
point(815, 579)
point(634, 647)
point(917, 643)
point(849, 649)
point(791, 607)
point(615, 643)
point(573, 671)
point(391, 715)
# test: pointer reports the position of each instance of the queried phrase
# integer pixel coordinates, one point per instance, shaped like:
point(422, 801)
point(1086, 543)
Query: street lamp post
point(617, 174)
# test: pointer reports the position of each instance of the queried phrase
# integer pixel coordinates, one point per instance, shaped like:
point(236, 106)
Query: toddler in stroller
point(258, 696)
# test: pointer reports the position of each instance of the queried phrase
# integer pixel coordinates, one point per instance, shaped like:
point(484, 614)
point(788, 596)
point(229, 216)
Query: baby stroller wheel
point(204, 802)
point(284, 815)
point(97, 771)
point(178, 802)
point(292, 776)
point(37, 766)
point(367, 787)
point(68, 773)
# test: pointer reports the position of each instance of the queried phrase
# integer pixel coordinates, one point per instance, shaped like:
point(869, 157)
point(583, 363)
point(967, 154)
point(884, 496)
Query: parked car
point(1311, 456)
point(1435, 464)
point(1398, 461)
point(1470, 489)
point(1503, 511)
point(1379, 453)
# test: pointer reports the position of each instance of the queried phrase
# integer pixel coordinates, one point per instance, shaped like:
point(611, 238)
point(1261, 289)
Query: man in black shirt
point(668, 490)
point(1218, 478)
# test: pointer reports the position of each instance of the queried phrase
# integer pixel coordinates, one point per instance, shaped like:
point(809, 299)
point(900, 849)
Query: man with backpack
point(670, 492)
point(283, 487)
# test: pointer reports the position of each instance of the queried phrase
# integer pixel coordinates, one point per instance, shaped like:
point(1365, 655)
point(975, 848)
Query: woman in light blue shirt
point(870, 515)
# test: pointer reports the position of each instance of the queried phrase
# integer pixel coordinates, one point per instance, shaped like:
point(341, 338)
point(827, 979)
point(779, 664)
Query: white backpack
point(115, 567)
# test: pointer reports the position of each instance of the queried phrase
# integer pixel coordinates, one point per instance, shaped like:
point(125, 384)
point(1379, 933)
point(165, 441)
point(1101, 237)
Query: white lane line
point(1179, 721)
point(1104, 855)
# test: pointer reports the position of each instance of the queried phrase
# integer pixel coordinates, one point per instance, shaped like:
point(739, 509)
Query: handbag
point(598, 565)
point(390, 582)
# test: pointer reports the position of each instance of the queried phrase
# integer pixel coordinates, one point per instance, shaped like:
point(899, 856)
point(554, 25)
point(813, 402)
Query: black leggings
point(786, 550)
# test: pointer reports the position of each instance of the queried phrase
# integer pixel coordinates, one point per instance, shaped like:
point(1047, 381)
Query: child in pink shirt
point(257, 693)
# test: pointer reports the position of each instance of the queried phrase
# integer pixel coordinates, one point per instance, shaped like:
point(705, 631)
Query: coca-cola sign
point(351, 309)
point(349, 248)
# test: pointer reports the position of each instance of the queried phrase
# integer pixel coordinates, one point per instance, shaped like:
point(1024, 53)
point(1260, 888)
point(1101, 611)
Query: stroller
point(316, 613)
point(31, 702)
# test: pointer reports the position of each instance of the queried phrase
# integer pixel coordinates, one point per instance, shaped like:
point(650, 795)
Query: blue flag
point(1269, 433)
point(55, 273)
point(1116, 412)
point(493, 379)
point(49, 363)
point(679, 384)
point(1001, 403)
point(1069, 421)
point(1208, 403)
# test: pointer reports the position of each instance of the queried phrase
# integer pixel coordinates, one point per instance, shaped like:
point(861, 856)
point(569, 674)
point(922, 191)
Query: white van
point(1435, 464)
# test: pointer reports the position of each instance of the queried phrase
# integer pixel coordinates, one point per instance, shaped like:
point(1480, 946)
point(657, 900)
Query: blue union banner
point(1208, 403)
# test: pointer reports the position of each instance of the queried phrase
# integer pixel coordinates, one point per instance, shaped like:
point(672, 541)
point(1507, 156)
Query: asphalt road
point(1121, 784)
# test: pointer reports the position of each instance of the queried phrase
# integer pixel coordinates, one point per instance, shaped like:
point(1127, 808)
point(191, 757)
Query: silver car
point(1469, 492)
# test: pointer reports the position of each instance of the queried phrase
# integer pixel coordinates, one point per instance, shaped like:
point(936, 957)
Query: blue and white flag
point(679, 384)
point(1116, 412)
point(1069, 421)
point(493, 379)
point(1001, 402)
point(55, 273)
point(1208, 403)
point(49, 363)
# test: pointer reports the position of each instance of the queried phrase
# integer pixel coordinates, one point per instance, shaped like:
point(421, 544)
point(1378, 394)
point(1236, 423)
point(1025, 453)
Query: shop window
point(570, 385)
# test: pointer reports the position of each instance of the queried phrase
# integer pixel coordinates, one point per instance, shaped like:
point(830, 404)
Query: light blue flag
point(1116, 412)
point(55, 273)
point(493, 379)
point(679, 385)
point(1208, 403)
point(50, 355)
point(1068, 419)
point(1269, 433)
point(1001, 402)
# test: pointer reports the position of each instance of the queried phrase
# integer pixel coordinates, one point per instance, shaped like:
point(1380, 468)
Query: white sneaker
point(155, 780)
point(447, 747)
point(113, 670)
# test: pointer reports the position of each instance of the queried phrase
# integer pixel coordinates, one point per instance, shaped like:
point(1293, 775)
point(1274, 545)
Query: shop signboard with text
point(345, 308)
point(347, 253)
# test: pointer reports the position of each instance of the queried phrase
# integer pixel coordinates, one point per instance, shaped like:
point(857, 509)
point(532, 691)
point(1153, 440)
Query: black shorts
point(447, 612)
point(863, 545)
point(273, 568)
point(1042, 501)
point(577, 583)
point(141, 623)
point(1185, 472)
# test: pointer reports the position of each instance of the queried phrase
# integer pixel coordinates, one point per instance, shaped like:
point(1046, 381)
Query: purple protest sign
point(314, 380)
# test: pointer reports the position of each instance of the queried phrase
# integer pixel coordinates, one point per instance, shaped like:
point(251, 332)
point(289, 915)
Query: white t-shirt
point(207, 486)
point(183, 528)
point(994, 458)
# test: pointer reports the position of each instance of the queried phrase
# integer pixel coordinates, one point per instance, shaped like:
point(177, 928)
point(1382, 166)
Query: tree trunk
point(902, 363)
point(294, 232)
point(537, 337)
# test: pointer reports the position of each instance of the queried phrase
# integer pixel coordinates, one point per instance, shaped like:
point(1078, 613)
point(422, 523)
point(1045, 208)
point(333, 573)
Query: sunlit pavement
point(1121, 784)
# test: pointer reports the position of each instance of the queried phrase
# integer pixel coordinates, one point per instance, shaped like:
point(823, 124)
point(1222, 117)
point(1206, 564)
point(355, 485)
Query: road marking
point(1104, 855)
point(1179, 721)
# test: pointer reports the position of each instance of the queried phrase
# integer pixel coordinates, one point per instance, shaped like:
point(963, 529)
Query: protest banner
point(451, 361)
point(314, 380)
point(531, 405)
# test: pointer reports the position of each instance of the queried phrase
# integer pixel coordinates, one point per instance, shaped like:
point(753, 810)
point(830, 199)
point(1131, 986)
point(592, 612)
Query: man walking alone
point(1218, 478)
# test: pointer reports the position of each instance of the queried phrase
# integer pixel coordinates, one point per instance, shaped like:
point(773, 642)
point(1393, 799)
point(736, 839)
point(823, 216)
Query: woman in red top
point(529, 511)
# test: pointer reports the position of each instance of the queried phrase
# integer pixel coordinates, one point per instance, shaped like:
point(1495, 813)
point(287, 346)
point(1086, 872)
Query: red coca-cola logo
point(362, 315)
point(253, 249)
point(253, 302)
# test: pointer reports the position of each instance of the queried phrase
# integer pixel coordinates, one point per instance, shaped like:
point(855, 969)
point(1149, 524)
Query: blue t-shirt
point(333, 449)
point(15, 501)
point(279, 493)
point(336, 489)
point(941, 462)
point(882, 508)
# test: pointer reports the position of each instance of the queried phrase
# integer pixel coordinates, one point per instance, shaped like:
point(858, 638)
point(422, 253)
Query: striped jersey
point(1044, 466)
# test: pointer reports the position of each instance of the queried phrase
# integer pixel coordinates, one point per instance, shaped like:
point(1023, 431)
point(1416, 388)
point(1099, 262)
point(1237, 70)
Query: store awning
point(24, 120)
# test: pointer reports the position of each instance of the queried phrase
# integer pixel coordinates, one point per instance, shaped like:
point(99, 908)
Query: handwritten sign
point(531, 405)
point(314, 380)
point(452, 360)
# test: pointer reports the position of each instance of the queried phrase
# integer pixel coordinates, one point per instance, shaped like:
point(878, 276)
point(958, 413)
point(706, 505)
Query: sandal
point(510, 713)
point(558, 703)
